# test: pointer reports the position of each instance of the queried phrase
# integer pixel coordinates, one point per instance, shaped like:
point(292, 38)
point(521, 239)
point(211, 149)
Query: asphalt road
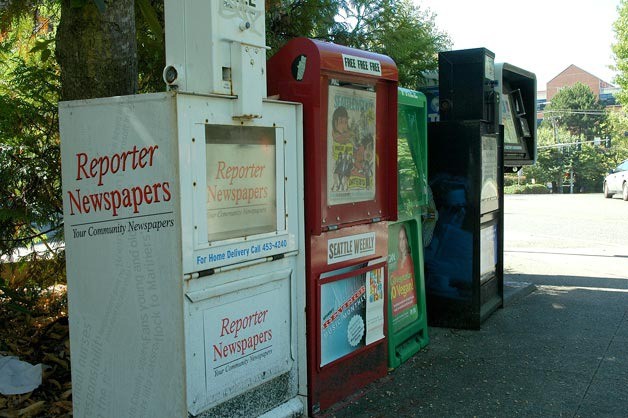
point(566, 235)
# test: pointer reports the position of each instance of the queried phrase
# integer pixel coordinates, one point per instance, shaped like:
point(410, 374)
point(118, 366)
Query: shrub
point(527, 189)
point(510, 179)
point(34, 284)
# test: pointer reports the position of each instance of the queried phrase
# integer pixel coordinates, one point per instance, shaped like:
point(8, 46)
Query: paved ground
point(561, 350)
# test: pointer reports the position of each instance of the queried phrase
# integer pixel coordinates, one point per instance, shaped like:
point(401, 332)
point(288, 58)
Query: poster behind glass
point(352, 314)
point(490, 194)
point(241, 181)
point(511, 137)
point(401, 279)
point(412, 182)
point(488, 252)
point(351, 136)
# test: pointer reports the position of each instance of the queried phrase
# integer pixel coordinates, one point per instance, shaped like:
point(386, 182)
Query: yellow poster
point(351, 136)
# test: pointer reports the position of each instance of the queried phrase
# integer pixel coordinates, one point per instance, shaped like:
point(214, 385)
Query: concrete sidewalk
point(561, 350)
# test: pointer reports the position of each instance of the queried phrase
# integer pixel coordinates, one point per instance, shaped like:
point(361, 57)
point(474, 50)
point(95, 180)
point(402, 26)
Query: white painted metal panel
point(199, 36)
point(122, 229)
point(240, 335)
point(196, 115)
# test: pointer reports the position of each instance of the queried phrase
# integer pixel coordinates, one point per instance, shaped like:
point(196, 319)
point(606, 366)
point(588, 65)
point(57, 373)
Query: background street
point(579, 235)
point(561, 350)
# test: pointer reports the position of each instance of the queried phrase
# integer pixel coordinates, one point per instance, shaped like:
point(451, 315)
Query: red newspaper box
point(349, 102)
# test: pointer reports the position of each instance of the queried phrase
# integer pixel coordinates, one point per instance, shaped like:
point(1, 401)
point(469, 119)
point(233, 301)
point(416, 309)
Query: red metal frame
point(342, 377)
point(301, 71)
point(324, 62)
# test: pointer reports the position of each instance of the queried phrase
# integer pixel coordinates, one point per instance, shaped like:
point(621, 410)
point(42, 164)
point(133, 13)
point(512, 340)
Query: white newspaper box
point(184, 245)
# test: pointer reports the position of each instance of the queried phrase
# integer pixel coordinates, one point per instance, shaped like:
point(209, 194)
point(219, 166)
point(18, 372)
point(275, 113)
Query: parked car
point(617, 181)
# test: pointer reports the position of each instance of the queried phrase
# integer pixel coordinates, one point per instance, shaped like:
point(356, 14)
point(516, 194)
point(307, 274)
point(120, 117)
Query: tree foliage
point(589, 162)
point(577, 109)
point(617, 128)
point(574, 117)
point(29, 141)
point(396, 28)
point(548, 167)
point(287, 19)
point(410, 37)
point(30, 190)
point(151, 53)
point(620, 50)
point(30, 89)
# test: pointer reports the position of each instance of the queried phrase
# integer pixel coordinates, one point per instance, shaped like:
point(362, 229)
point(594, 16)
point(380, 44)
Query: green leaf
point(14, 296)
point(18, 308)
point(45, 54)
point(151, 18)
point(101, 5)
point(77, 4)
point(42, 45)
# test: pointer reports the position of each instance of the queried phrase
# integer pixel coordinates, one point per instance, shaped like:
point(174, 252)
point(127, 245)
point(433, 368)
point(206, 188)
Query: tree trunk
point(97, 52)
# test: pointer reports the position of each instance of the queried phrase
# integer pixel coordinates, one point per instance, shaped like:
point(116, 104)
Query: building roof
point(603, 84)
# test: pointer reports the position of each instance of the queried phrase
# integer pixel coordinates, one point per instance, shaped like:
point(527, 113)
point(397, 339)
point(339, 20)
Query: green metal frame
point(407, 331)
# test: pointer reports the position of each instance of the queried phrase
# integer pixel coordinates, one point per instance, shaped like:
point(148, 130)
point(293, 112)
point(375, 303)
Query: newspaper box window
point(242, 181)
point(517, 89)
point(351, 137)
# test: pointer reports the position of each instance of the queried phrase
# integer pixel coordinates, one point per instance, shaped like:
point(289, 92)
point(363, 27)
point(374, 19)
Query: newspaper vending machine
point(184, 231)
point(349, 102)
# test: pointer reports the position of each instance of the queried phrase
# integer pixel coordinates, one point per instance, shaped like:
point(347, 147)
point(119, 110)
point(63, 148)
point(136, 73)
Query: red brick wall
point(571, 76)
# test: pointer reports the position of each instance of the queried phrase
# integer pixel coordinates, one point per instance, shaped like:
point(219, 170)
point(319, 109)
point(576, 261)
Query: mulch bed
point(45, 340)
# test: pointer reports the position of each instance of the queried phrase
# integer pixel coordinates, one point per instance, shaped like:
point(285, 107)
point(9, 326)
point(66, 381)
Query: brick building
point(572, 75)
point(568, 77)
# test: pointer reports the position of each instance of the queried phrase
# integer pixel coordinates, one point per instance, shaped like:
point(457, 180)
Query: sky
point(540, 36)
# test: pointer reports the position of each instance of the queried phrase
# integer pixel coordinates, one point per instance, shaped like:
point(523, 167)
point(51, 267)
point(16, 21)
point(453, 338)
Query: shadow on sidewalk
point(618, 283)
point(559, 351)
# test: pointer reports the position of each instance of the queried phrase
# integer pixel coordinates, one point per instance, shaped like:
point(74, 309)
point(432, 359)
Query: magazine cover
point(352, 314)
point(350, 145)
point(401, 282)
point(343, 314)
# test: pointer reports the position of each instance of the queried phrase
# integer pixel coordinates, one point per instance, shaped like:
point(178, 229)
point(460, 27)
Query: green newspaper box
point(407, 317)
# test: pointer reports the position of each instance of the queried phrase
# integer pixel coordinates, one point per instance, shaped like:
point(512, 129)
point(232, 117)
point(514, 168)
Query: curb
point(513, 291)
